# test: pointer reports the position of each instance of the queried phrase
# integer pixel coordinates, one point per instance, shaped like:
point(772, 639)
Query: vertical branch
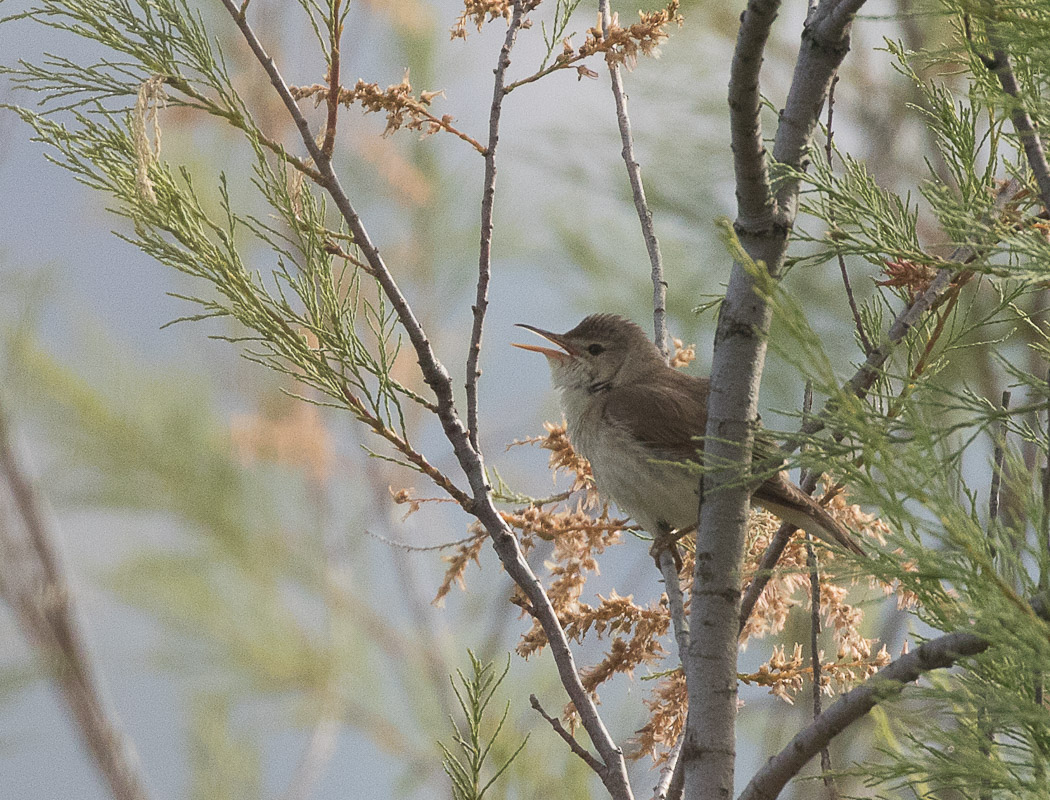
point(43, 599)
point(814, 587)
point(829, 151)
point(1044, 544)
point(481, 300)
point(763, 224)
point(335, 32)
point(984, 726)
point(634, 174)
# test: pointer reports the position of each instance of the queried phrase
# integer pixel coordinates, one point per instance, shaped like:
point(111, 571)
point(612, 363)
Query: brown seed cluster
point(397, 102)
point(623, 45)
point(907, 274)
point(684, 355)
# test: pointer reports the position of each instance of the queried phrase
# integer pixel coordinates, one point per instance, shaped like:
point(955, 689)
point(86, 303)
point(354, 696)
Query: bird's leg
point(667, 539)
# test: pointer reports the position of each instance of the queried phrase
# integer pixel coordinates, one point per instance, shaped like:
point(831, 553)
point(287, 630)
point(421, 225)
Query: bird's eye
point(595, 349)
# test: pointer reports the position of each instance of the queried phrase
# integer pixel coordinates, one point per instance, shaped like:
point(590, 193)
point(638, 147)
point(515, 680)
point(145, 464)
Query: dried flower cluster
point(565, 458)
point(684, 355)
point(624, 45)
point(667, 704)
point(907, 274)
point(479, 12)
point(572, 559)
point(785, 675)
point(457, 562)
point(402, 108)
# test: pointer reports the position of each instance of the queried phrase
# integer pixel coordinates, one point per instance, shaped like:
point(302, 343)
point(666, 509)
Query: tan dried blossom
point(624, 45)
point(553, 524)
point(683, 354)
point(145, 116)
point(573, 557)
point(785, 675)
point(402, 109)
point(404, 497)
point(296, 436)
point(457, 563)
point(907, 274)
point(667, 707)
point(479, 12)
point(564, 457)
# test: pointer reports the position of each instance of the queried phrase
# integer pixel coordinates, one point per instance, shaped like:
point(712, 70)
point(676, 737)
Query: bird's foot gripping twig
point(666, 539)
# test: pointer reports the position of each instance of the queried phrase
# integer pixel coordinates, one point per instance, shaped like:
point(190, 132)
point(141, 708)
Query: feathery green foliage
point(465, 768)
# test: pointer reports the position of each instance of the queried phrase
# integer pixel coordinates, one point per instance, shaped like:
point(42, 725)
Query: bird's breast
point(628, 472)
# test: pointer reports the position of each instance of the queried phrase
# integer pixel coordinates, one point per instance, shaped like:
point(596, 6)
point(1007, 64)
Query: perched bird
point(636, 420)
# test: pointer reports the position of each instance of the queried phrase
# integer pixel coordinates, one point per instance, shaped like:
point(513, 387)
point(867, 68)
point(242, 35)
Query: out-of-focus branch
point(634, 174)
point(35, 582)
point(614, 771)
point(481, 300)
point(939, 653)
point(318, 753)
point(1032, 145)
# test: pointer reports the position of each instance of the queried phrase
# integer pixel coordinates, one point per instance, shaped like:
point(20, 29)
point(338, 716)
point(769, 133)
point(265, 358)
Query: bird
point(639, 422)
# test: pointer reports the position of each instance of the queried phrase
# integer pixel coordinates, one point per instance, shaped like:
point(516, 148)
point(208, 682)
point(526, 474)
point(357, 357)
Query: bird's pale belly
point(653, 494)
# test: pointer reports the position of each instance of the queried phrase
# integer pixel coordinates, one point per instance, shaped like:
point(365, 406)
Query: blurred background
point(230, 547)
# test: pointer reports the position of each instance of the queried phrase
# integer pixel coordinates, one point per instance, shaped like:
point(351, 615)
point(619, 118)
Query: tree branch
point(755, 205)
point(866, 375)
point(1002, 68)
point(41, 595)
point(481, 300)
point(569, 739)
point(335, 33)
point(942, 652)
point(762, 225)
point(634, 174)
point(614, 774)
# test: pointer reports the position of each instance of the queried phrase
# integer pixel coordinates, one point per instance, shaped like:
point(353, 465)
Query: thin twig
point(570, 740)
point(481, 299)
point(998, 457)
point(829, 150)
point(417, 459)
point(47, 609)
point(663, 789)
point(673, 587)
point(1044, 579)
point(413, 548)
point(814, 582)
point(888, 682)
point(814, 656)
point(335, 32)
point(614, 772)
point(634, 174)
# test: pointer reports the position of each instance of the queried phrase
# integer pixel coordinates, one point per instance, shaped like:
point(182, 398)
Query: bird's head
point(603, 351)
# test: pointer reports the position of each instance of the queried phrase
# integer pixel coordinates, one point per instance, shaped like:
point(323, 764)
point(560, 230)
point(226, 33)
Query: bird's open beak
point(566, 350)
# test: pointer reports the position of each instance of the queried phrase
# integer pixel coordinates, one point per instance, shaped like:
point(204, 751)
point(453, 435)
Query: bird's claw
point(666, 540)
